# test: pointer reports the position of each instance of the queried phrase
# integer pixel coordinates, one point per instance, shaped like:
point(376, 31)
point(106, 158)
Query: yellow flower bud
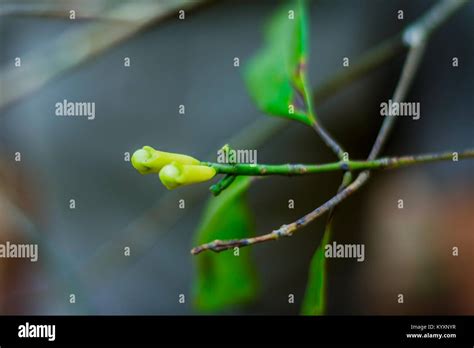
point(176, 174)
point(148, 160)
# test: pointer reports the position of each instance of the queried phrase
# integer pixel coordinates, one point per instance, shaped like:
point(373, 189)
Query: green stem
point(304, 169)
point(222, 184)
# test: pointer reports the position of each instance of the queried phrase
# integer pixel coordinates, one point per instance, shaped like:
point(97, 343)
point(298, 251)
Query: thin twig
point(414, 35)
point(329, 140)
point(438, 14)
point(285, 230)
point(406, 78)
point(305, 169)
point(320, 130)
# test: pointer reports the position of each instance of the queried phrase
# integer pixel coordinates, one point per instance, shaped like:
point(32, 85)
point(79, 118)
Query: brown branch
point(285, 230)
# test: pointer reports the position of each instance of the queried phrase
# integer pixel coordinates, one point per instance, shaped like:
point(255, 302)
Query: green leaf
point(275, 77)
point(224, 280)
point(314, 302)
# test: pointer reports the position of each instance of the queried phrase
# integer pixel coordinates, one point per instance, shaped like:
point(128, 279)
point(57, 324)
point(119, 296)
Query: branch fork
point(415, 37)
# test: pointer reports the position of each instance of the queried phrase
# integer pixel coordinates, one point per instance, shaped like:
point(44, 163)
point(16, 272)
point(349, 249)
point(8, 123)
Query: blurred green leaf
point(314, 302)
point(224, 280)
point(275, 77)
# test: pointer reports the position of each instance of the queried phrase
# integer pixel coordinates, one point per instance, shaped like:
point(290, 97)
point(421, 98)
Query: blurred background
point(190, 62)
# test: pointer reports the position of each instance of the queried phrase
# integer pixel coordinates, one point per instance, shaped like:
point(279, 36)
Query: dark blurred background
point(190, 62)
